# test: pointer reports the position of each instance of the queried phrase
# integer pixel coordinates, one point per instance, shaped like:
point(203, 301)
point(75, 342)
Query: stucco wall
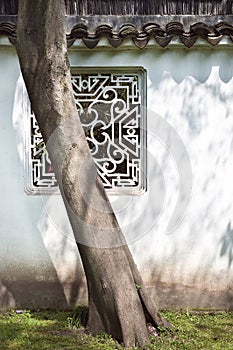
point(180, 231)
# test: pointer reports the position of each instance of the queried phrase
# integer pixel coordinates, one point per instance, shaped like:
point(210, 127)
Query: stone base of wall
point(178, 296)
point(53, 295)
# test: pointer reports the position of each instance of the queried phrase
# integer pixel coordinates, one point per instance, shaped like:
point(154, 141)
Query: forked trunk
point(118, 301)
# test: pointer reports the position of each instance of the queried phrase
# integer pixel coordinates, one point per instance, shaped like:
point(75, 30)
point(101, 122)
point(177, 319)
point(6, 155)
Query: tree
point(118, 300)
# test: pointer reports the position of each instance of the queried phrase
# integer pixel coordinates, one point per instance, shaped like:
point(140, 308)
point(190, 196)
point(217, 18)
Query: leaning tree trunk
point(118, 301)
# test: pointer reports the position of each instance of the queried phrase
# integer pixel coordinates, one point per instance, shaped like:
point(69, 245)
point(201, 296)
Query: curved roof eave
point(140, 29)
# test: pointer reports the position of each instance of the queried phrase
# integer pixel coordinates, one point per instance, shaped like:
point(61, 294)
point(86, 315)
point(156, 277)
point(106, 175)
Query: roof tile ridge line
point(212, 33)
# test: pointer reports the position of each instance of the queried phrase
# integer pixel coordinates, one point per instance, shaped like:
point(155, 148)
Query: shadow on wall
point(7, 299)
point(174, 287)
point(195, 97)
point(58, 239)
point(40, 267)
point(32, 295)
point(227, 244)
point(196, 63)
point(192, 105)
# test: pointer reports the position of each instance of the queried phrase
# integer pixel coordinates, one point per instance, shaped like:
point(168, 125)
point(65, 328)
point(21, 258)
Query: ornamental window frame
point(136, 92)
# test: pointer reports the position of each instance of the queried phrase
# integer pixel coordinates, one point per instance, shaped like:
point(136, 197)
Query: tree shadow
point(193, 115)
point(76, 317)
point(21, 328)
point(37, 273)
point(227, 244)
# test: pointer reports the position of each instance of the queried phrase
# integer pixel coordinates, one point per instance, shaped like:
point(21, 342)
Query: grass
point(50, 330)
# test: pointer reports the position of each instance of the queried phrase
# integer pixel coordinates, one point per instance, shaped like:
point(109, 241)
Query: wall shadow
point(227, 244)
point(36, 270)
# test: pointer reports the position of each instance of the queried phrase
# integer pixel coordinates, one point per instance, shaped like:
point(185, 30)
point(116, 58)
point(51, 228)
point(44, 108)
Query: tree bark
point(116, 306)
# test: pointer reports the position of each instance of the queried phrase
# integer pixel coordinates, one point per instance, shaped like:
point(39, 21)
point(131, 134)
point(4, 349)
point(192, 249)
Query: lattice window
point(111, 104)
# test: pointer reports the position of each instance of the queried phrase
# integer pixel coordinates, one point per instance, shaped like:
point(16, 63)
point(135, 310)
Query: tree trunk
point(116, 306)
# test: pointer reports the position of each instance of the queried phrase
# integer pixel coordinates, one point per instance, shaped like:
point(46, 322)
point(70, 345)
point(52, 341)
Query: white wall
point(190, 128)
point(38, 265)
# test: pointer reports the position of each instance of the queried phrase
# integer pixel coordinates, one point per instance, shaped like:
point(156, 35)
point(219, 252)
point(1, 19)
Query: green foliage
point(78, 318)
point(49, 330)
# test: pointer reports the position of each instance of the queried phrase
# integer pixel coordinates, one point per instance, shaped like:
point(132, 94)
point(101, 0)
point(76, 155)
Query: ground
point(49, 330)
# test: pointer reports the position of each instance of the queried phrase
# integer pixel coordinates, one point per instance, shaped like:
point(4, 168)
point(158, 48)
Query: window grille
point(111, 104)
